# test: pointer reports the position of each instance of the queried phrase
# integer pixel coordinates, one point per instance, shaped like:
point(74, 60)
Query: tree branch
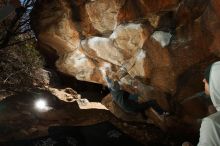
point(11, 27)
point(19, 42)
point(24, 31)
point(12, 75)
point(15, 28)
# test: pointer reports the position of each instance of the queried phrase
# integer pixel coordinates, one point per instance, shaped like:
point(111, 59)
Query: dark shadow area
point(102, 134)
point(92, 91)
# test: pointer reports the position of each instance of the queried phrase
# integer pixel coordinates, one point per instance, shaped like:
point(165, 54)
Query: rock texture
point(161, 43)
point(35, 123)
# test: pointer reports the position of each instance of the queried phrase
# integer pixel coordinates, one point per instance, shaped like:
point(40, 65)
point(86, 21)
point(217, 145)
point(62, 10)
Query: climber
point(210, 127)
point(210, 131)
point(129, 102)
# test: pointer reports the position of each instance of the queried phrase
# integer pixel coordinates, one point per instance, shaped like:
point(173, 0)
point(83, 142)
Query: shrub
point(18, 65)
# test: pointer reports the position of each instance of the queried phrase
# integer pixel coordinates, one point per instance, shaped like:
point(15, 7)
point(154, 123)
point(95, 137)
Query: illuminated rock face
point(158, 41)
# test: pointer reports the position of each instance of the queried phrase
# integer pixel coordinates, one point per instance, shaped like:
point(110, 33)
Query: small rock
point(162, 37)
point(24, 132)
point(125, 124)
point(26, 113)
point(33, 130)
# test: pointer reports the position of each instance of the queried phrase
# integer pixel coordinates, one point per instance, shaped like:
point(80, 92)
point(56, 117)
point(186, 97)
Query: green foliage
point(18, 65)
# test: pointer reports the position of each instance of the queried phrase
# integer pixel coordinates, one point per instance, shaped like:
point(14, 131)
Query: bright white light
point(41, 105)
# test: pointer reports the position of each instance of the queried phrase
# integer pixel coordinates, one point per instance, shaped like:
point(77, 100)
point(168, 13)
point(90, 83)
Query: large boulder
point(160, 43)
point(103, 14)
